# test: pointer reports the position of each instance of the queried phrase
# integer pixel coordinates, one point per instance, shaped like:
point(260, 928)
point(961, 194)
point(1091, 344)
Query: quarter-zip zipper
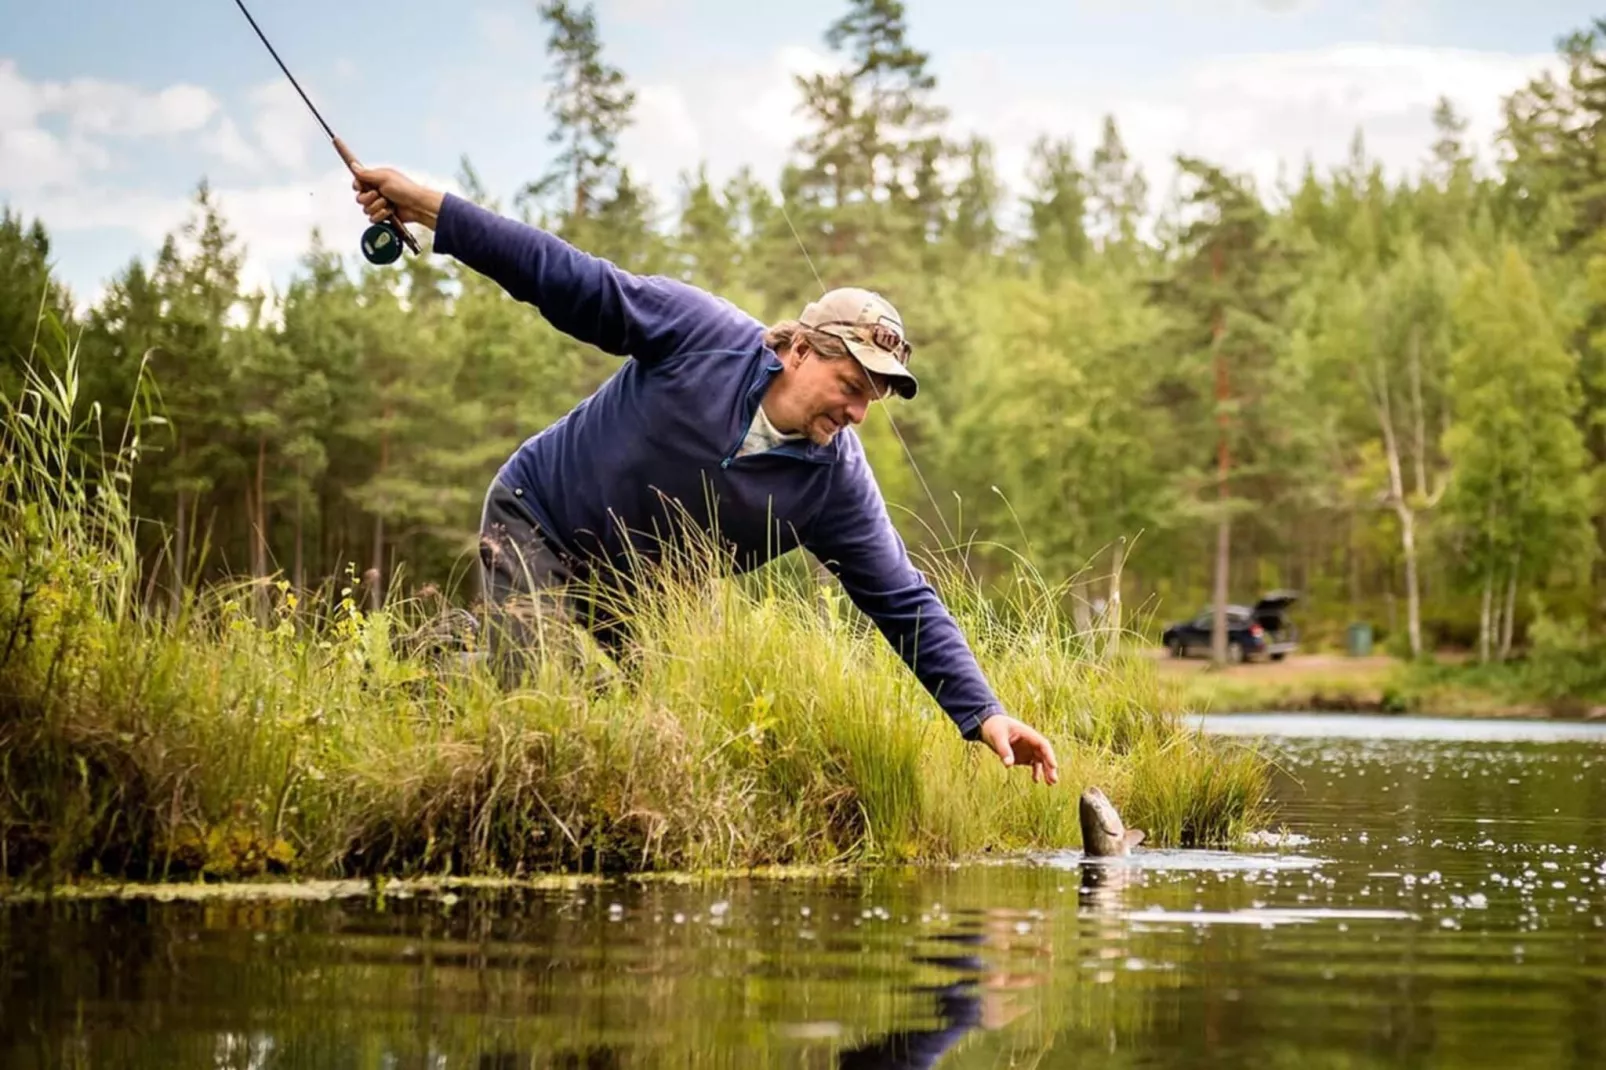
point(754, 398)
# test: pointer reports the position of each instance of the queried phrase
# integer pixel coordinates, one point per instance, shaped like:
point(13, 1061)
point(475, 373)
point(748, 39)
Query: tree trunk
point(1402, 509)
point(377, 574)
point(300, 568)
point(179, 551)
point(259, 534)
point(1483, 619)
point(1218, 625)
point(1413, 597)
point(376, 571)
point(1419, 418)
point(1081, 611)
point(1511, 611)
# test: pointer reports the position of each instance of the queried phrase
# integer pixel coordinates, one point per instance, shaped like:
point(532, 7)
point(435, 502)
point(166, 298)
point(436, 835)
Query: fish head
point(1103, 833)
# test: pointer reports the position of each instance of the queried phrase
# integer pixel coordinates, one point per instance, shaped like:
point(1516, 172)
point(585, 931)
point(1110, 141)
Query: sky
point(112, 113)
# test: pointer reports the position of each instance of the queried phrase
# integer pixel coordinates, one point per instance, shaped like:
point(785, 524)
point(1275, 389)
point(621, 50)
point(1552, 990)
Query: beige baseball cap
point(872, 329)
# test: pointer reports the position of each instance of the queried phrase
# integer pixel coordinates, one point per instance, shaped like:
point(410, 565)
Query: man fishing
point(715, 422)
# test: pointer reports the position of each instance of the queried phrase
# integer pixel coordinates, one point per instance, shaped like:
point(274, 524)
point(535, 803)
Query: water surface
point(1434, 894)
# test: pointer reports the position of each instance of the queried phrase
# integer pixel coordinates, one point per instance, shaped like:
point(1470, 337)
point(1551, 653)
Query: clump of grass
point(755, 725)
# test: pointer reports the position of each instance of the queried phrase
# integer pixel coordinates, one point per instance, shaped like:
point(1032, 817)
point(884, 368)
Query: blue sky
point(111, 112)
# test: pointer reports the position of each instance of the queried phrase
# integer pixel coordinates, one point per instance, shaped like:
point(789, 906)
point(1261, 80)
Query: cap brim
point(883, 363)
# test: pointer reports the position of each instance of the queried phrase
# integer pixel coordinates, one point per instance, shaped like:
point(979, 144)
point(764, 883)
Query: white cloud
point(93, 115)
point(1257, 113)
point(91, 106)
point(64, 179)
point(34, 159)
point(108, 109)
point(627, 12)
point(225, 142)
point(740, 114)
point(59, 141)
point(284, 126)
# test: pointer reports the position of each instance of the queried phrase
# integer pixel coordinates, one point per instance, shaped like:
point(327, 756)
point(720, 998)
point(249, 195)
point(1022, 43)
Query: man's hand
point(1019, 744)
point(381, 189)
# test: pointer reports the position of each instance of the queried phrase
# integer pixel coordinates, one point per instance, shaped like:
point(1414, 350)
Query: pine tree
point(590, 105)
point(706, 241)
point(975, 230)
point(876, 132)
point(196, 295)
point(1056, 208)
point(1118, 195)
point(27, 293)
point(1227, 287)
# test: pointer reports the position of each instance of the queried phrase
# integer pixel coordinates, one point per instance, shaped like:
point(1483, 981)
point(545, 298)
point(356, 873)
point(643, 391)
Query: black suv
point(1263, 629)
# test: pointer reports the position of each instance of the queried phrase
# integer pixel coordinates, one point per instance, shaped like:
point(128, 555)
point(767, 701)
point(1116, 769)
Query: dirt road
point(1292, 668)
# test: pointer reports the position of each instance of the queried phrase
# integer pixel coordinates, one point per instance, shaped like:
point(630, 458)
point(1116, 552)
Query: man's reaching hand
point(1016, 743)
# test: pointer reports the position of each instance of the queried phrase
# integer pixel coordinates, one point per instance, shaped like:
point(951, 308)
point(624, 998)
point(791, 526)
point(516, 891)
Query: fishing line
point(907, 452)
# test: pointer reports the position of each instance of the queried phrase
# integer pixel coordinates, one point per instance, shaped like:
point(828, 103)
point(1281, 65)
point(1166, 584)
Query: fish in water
point(1103, 834)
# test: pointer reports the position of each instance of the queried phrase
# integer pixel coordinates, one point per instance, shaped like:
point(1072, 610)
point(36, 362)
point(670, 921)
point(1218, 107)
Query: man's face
point(834, 394)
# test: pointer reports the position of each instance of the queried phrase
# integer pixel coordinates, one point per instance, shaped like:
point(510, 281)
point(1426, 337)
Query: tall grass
point(756, 724)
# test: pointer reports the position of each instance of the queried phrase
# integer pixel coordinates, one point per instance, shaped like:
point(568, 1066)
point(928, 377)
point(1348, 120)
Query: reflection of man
point(961, 1005)
point(960, 1009)
point(717, 423)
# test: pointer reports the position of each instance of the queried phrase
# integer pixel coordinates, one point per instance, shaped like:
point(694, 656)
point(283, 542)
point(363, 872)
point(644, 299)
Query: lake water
point(1435, 896)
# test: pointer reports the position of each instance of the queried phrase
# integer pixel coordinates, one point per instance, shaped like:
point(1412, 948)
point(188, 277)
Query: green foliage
point(1392, 367)
point(1519, 499)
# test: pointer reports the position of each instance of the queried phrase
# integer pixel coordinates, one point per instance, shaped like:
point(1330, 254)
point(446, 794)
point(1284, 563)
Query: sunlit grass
point(762, 722)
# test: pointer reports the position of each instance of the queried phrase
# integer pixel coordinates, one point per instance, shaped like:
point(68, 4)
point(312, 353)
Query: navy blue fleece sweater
point(654, 447)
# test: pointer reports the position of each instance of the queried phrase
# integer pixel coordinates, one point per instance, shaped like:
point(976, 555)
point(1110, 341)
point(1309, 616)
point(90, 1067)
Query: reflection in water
point(1103, 887)
point(958, 1009)
point(982, 997)
point(1429, 887)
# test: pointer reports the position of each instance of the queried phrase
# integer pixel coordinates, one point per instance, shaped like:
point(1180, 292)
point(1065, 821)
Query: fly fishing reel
point(382, 242)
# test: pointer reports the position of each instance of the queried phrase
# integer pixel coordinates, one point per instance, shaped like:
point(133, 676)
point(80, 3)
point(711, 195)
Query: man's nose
point(857, 410)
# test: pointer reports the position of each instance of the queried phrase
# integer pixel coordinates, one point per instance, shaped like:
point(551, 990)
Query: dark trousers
point(541, 607)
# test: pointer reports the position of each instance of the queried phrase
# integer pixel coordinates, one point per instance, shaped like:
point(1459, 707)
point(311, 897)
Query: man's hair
point(785, 334)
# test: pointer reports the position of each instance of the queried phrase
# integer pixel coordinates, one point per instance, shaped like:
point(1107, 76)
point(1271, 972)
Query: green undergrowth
point(255, 732)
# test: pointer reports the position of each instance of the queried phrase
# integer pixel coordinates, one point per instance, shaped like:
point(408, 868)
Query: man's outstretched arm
point(584, 296)
point(855, 539)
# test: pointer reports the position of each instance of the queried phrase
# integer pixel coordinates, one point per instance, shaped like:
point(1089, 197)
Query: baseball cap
point(872, 330)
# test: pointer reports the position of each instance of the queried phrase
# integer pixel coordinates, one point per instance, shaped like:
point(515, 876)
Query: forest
point(1385, 395)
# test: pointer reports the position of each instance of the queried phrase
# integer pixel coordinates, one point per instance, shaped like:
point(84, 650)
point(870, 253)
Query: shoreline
point(1376, 684)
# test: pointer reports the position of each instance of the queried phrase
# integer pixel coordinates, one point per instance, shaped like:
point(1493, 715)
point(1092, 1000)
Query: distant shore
point(1323, 682)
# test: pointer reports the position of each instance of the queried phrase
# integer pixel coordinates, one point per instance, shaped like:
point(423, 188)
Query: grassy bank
point(757, 726)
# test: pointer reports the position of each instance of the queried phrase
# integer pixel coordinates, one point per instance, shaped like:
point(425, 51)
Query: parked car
point(1261, 630)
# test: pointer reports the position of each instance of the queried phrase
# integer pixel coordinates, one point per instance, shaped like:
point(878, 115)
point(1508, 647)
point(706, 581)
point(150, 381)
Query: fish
point(1103, 834)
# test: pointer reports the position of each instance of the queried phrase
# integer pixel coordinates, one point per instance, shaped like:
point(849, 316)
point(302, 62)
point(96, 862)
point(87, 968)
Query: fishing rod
point(381, 242)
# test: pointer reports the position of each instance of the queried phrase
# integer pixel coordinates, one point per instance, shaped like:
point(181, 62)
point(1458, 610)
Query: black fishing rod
point(379, 241)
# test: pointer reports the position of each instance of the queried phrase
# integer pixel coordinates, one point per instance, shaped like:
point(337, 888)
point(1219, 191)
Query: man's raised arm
point(584, 296)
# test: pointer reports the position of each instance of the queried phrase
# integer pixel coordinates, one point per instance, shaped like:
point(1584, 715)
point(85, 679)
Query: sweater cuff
point(445, 221)
point(970, 730)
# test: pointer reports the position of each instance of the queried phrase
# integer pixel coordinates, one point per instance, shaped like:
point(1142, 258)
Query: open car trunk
point(1271, 613)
